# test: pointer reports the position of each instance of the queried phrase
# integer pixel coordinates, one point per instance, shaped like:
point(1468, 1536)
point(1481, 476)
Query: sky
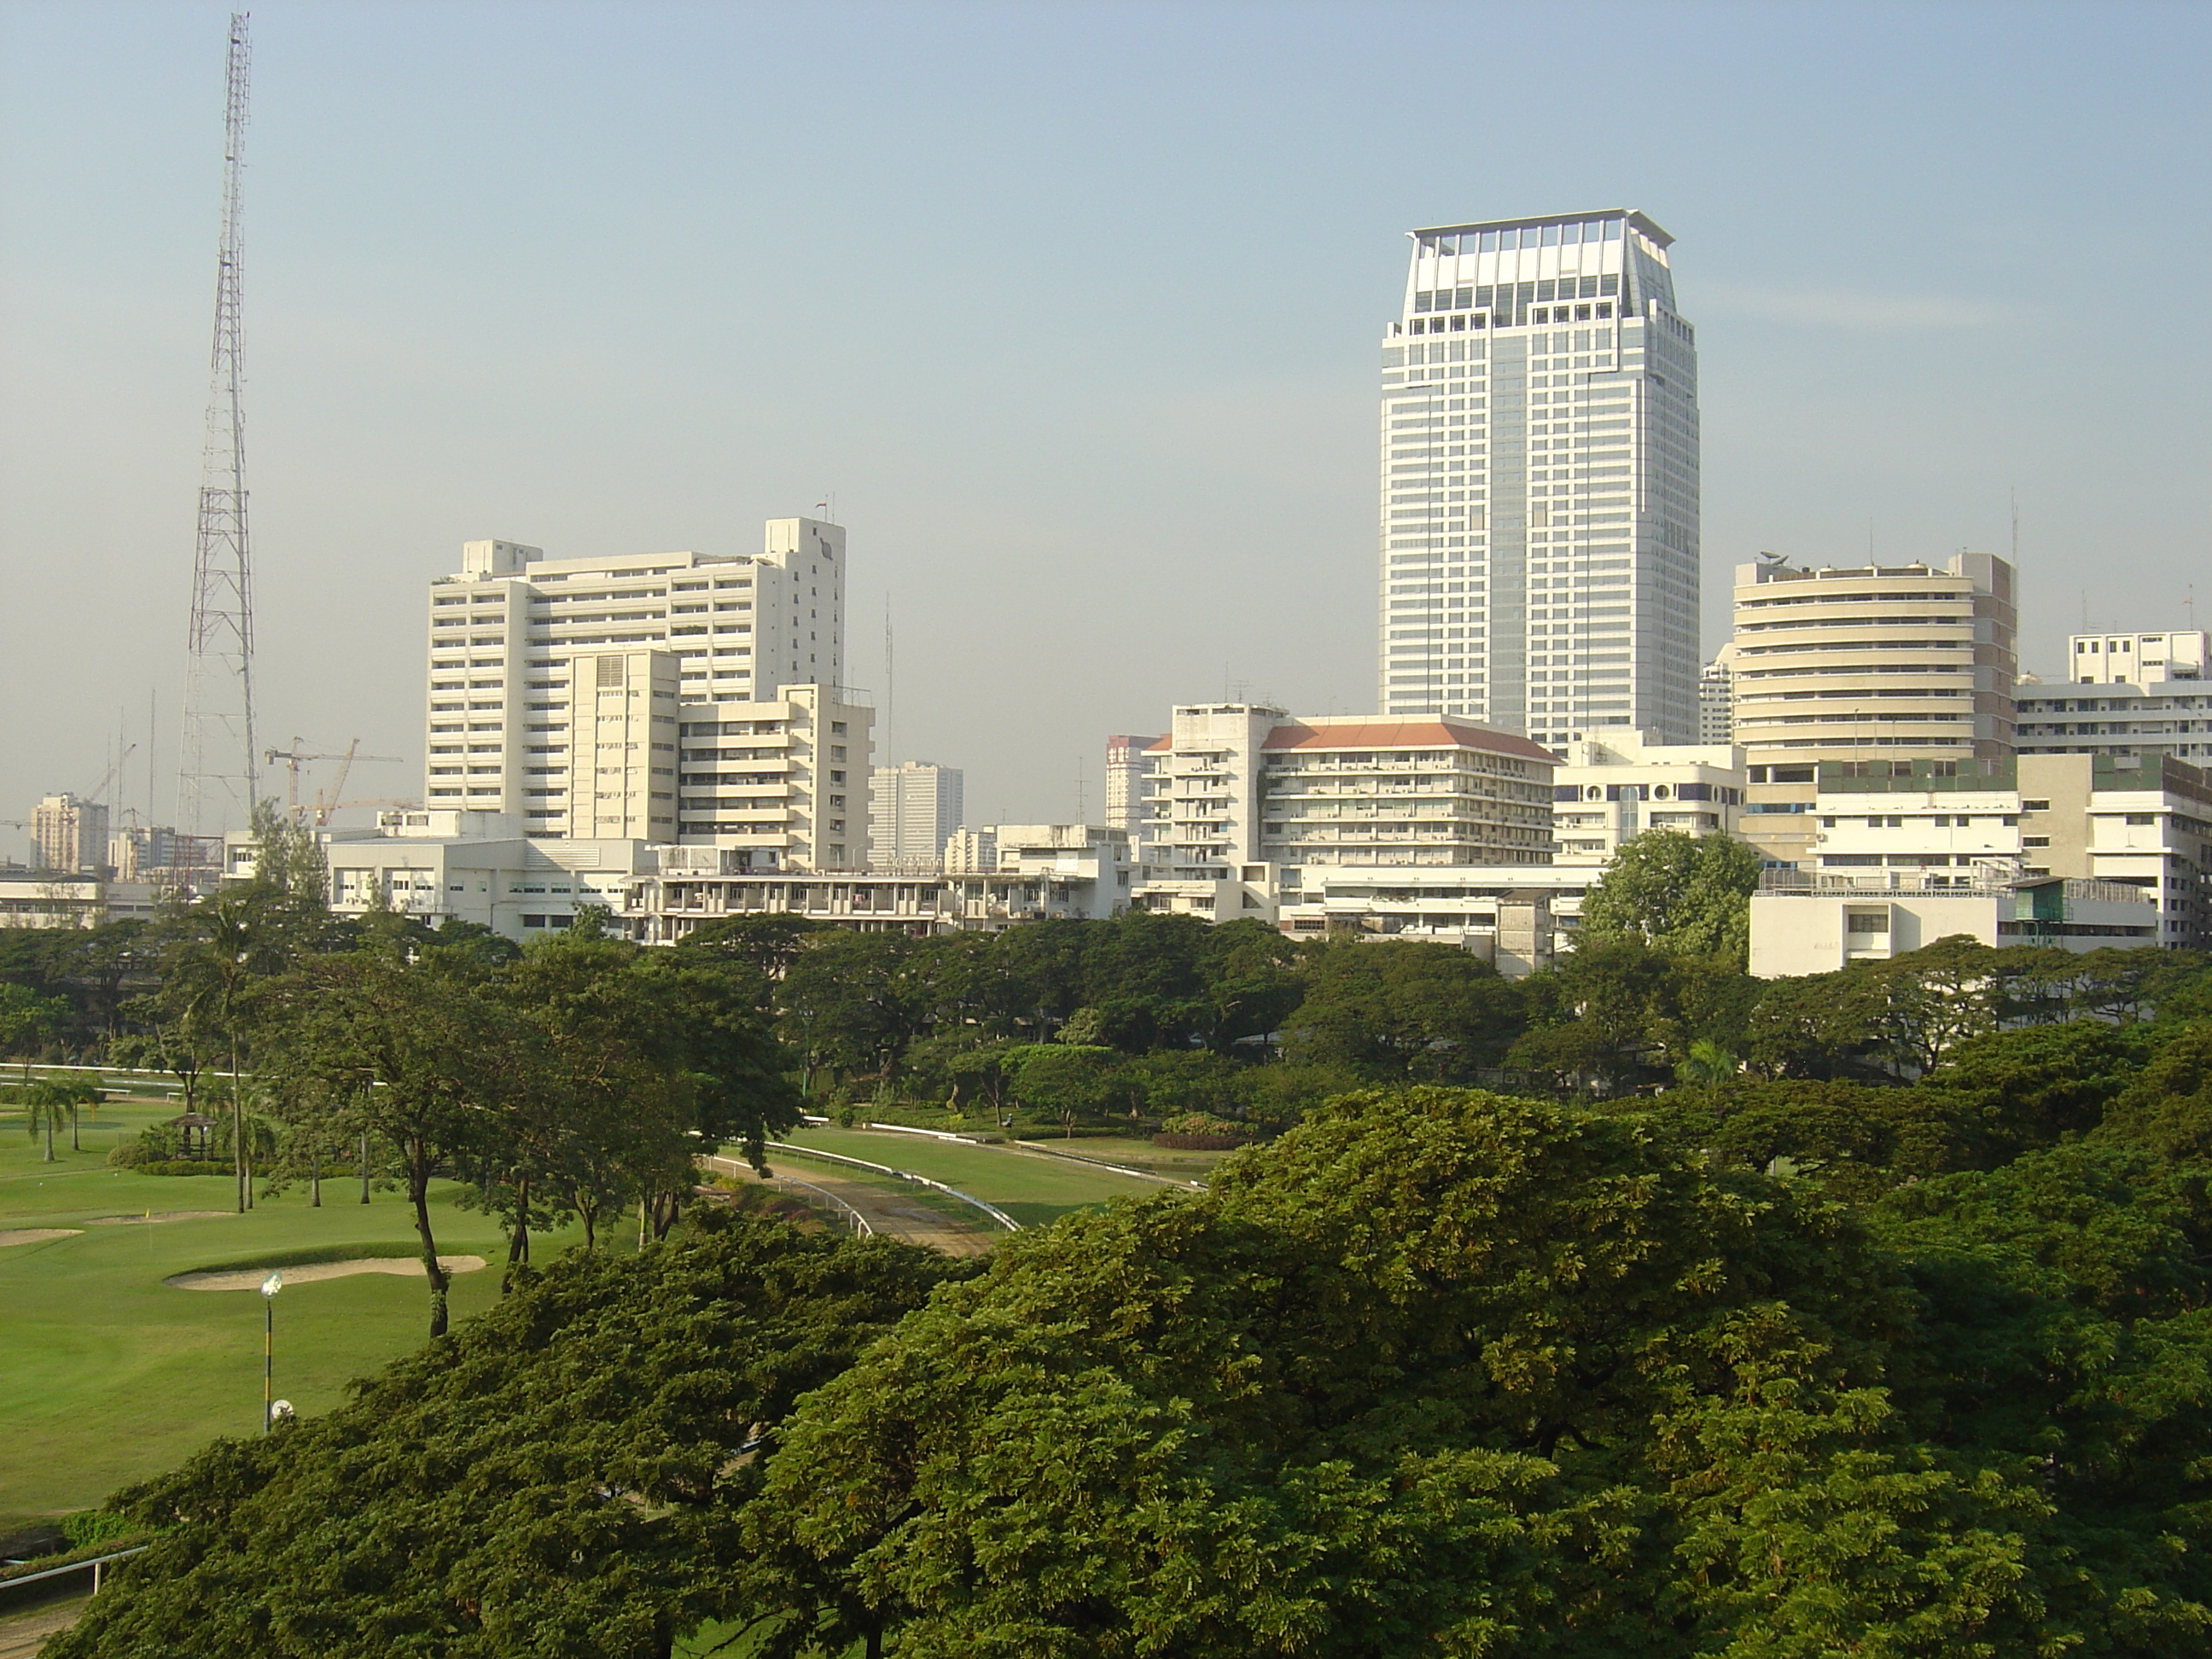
point(1072, 310)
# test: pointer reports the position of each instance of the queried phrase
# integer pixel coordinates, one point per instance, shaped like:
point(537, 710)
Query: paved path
point(888, 1211)
point(22, 1633)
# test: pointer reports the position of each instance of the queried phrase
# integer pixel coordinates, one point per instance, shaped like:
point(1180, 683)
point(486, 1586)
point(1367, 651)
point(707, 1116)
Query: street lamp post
point(270, 1287)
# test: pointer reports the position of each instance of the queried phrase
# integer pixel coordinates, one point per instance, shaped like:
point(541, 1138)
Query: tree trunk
point(418, 1195)
point(50, 1134)
point(314, 1174)
point(364, 1166)
point(75, 1145)
point(237, 1128)
point(518, 1244)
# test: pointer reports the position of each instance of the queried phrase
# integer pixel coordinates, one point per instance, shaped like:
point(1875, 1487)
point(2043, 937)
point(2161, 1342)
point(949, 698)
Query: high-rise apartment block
point(658, 697)
point(914, 809)
point(1716, 697)
point(1129, 765)
point(69, 834)
point(1540, 486)
point(2136, 658)
point(1874, 666)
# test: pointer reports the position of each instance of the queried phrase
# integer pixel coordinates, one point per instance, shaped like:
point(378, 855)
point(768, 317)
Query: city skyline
point(614, 314)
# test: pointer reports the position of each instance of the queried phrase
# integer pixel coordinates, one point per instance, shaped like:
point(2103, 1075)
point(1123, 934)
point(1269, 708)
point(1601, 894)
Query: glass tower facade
point(1538, 560)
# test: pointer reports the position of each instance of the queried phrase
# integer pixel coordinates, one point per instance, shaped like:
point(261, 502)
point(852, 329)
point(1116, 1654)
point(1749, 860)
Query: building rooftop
point(1649, 227)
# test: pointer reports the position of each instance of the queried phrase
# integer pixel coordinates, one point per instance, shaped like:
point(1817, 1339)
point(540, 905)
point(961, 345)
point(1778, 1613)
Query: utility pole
point(216, 780)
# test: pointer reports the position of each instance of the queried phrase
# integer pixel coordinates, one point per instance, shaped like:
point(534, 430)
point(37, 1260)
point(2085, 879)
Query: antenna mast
point(216, 783)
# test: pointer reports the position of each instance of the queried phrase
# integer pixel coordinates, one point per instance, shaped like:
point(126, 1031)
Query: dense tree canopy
point(1438, 1371)
point(563, 1476)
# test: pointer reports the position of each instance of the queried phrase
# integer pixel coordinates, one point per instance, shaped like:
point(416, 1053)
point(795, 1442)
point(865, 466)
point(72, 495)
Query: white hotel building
point(1540, 494)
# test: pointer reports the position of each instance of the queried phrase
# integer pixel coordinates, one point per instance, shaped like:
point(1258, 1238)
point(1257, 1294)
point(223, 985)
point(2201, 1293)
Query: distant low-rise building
point(2136, 658)
point(1610, 789)
point(480, 867)
point(55, 898)
point(2139, 821)
point(1034, 872)
point(1803, 922)
point(2169, 716)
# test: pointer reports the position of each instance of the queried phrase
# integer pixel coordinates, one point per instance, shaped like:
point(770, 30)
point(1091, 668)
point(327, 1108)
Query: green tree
point(1433, 1373)
point(1678, 892)
point(427, 1060)
point(28, 1020)
point(564, 1475)
point(1065, 1080)
point(1395, 1011)
point(49, 1104)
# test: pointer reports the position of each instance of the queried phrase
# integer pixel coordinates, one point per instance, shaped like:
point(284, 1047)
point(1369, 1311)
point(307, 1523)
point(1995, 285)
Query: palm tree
point(45, 1104)
point(1707, 1066)
point(237, 941)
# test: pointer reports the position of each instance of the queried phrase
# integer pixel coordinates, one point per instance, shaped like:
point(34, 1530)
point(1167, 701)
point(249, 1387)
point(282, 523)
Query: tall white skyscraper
point(1540, 481)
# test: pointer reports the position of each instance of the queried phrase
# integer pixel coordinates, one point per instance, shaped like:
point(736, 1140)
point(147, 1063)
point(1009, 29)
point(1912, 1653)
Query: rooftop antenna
point(891, 683)
point(2015, 529)
point(216, 778)
point(1082, 784)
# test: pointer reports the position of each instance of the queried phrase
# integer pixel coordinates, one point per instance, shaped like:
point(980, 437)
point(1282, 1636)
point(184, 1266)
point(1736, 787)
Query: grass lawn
point(1135, 1154)
point(107, 1376)
point(1032, 1190)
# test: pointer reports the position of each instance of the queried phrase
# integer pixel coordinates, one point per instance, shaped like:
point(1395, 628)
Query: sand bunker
point(36, 1235)
point(158, 1215)
point(250, 1279)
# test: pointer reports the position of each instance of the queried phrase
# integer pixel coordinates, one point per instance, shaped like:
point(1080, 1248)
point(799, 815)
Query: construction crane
point(101, 788)
point(326, 801)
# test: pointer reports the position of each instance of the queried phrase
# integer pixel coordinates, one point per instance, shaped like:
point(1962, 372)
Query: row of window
point(1505, 241)
point(1458, 323)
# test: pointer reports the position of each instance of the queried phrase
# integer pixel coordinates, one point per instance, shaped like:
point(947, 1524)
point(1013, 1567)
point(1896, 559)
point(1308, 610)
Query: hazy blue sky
point(1074, 307)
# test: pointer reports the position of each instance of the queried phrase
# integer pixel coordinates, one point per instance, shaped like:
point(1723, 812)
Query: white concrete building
point(780, 782)
point(914, 809)
point(1716, 697)
point(1867, 664)
point(56, 898)
point(69, 834)
point(1250, 803)
point(2136, 658)
point(1540, 481)
point(521, 645)
point(1130, 762)
point(1039, 873)
point(1805, 923)
point(476, 867)
point(2142, 822)
point(1608, 790)
point(2169, 716)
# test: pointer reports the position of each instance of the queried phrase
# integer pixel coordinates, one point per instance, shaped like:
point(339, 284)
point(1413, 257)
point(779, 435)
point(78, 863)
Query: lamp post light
point(270, 1287)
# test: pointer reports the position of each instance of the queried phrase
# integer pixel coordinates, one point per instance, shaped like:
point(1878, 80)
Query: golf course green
point(108, 1375)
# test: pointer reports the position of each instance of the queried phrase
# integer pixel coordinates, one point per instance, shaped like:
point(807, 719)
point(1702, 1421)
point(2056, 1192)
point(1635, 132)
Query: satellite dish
point(273, 1284)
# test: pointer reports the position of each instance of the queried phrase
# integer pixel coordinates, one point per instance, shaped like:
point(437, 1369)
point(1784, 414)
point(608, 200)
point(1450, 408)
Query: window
point(2035, 841)
point(1863, 922)
point(2035, 806)
point(2142, 818)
